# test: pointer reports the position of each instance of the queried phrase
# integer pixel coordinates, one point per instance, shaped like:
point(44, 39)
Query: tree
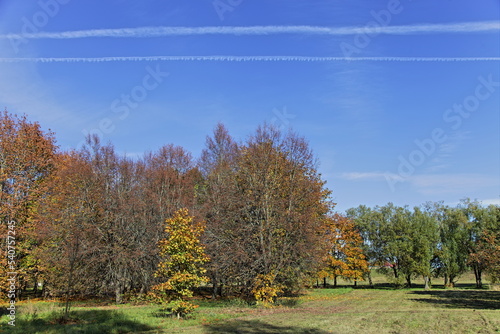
point(488, 255)
point(182, 259)
point(480, 222)
point(345, 256)
point(26, 160)
point(370, 231)
point(485, 253)
point(283, 203)
point(219, 199)
point(425, 235)
point(264, 203)
point(452, 249)
point(399, 240)
point(65, 232)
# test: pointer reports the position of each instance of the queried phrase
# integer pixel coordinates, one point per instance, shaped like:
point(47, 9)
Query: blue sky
point(412, 115)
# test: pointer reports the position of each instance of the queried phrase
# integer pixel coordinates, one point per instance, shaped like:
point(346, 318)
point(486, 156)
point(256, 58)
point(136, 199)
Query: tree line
point(431, 241)
point(90, 222)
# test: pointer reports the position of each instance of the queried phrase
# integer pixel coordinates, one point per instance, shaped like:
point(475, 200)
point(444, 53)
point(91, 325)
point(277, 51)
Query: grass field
point(317, 311)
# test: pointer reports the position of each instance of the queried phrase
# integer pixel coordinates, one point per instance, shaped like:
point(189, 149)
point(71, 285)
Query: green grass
point(42, 317)
point(317, 311)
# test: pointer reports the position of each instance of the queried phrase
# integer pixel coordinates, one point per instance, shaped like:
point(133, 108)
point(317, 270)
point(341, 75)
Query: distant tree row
point(431, 241)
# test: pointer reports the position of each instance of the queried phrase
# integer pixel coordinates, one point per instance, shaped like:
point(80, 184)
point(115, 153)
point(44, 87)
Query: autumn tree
point(136, 197)
point(481, 221)
point(219, 199)
point(182, 259)
point(166, 184)
point(344, 256)
point(484, 253)
point(283, 204)
point(66, 231)
point(26, 160)
point(264, 203)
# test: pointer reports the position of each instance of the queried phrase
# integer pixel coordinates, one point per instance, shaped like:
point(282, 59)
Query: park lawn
point(318, 311)
point(376, 311)
point(90, 317)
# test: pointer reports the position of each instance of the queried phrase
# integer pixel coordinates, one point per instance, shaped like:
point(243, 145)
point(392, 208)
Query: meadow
point(382, 309)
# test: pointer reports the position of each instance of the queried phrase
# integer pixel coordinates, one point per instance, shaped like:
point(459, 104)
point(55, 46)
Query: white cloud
point(371, 176)
point(451, 183)
point(491, 201)
point(430, 184)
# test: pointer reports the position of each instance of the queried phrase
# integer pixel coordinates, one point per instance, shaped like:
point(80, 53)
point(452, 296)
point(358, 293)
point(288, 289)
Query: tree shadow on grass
point(257, 327)
point(470, 299)
point(82, 322)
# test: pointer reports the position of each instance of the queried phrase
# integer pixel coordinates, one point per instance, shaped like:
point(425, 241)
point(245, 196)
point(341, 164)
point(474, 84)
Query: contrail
point(143, 32)
point(247, 59)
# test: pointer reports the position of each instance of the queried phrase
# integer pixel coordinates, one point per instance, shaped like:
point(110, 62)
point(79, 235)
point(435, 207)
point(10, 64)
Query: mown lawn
point(318, 311)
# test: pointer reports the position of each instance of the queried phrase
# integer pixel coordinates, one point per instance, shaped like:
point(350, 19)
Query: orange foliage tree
point(66, 231)
point(344, 257)
point(26, 160)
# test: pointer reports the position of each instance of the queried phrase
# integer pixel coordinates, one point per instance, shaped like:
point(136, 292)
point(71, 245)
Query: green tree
point(369, 228)
point(452, 249)
point(399, 240)
point(182, 259)
point(425, 235)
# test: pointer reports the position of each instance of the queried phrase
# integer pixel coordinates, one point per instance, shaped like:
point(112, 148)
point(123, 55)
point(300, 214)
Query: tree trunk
point(335, 281)
point(395, 270)
point(479, 281)
point(370, 281)
point(355, 283)
point(324, 282)
point(408, 280)
point(118, 294)
point(142, 290)
point(445, 280)
point(221, 289)
point(214, 289)
point(426, 280)
point(451, 282)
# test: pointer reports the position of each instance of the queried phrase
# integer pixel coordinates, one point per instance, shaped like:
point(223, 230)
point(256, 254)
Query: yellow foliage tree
point(344, 257)
point(183, 257)
point(266, 290)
